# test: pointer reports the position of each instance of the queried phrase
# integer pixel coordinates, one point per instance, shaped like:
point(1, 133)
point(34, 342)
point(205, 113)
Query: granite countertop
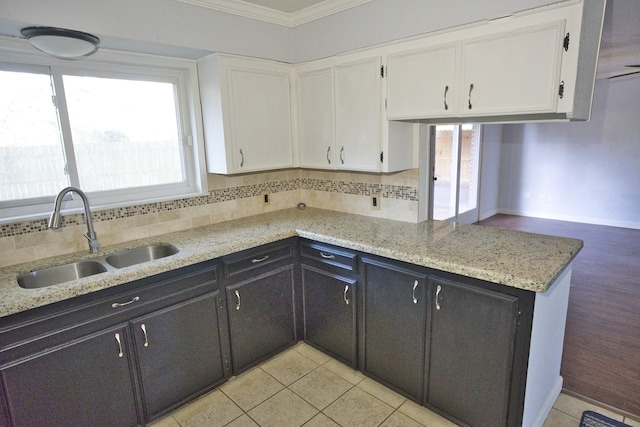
point(512, 258)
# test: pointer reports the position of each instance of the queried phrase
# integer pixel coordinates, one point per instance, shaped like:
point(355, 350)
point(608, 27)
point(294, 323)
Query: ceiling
point(286, 6)
point(289, 13)
point(620, 45)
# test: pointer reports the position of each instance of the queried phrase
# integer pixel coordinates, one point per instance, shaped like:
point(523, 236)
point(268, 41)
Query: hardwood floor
point(601, 358)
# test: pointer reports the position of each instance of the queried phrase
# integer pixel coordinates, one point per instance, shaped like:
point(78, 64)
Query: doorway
point(454, 153)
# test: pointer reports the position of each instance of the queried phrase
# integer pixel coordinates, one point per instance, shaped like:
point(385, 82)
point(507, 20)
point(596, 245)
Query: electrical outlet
point(265, 199)
point(375, 202)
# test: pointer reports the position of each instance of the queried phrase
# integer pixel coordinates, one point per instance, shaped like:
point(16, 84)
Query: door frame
point(426, 153)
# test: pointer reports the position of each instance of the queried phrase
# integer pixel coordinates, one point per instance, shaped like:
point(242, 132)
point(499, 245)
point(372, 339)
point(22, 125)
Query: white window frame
point(181, 72)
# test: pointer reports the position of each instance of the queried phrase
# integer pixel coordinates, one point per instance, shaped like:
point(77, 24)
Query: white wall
point(381, 21)
point(490, 171)
point(159, 26)
point(585, 172)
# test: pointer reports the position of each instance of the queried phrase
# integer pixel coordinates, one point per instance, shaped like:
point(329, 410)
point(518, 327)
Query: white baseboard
point(571, 218)
point(546, 408)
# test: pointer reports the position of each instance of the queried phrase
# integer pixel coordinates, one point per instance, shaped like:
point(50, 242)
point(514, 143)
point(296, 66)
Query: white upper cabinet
point(316, 118)
point(246, 106)
point(535, 65)
point(422, 83)
point(358, 114)
point(513, 73)
point(341, 122)
point(354, 111)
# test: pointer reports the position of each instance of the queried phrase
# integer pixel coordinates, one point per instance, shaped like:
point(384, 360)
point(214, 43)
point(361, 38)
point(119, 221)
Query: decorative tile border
point(221, 195)
point(400, 192)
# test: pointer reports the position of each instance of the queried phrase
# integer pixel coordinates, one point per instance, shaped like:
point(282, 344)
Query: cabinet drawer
point(328, 254)
point(255, 258)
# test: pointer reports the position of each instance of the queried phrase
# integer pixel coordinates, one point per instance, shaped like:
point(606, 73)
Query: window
point(123, 134)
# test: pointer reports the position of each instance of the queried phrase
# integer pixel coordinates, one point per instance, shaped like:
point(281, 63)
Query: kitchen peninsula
point(525, 273)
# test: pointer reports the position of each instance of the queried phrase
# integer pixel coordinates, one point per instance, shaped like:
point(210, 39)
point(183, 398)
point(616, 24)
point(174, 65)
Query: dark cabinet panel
point(395, 307)
point(179, 353)
point(261, 316)
point(330, 313)
point(88, 382)
point(472, 351)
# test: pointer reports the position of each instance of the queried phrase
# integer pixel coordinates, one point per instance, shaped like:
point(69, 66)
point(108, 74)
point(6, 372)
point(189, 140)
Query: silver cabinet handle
point(238, 300)
point(415, 299)
point(241, 158)
point(470, 90)
point(342, 155)
point(438, 290)
point(257, 260)
point(344, 295)
point(446, 89)
point(144, 331)
point(328, 152)
point(325, 256)
point(120, 353)
point(122, 304)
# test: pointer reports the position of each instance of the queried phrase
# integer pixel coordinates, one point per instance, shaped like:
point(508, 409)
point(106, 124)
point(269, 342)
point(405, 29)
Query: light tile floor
point(304, 387)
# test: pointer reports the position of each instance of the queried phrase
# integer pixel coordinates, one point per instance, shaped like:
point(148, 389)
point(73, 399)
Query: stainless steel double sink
point(79, 269)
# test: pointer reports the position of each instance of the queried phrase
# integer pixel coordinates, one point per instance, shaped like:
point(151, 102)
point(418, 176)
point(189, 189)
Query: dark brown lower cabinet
point(472, 335)
point(88, 381)
point(395, 307)
point(116, 357)
point(330, 313)
point(261, 316)
point(179, 353)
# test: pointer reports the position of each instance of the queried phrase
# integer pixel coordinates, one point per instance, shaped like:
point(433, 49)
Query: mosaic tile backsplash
point(229, 197)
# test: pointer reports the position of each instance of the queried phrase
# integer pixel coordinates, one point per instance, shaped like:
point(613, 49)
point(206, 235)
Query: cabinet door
point(394, 326)
point(87, 381)
point(472, 346)
point(422, 84)
point(330, 313)
point(261, 317)
point(316, 119)
point(513, 73)
point(260, 116)
point(358, 115)
point(179, 352)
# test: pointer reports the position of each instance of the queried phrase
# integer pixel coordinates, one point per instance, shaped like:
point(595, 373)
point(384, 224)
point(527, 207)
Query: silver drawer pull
point(122, 304)
point(120, 353)
point(257, 260)
point(238, 300)
point(325, 256)
point(415, 299)
point(144, 331)
point(438, 290)
point(344, 296)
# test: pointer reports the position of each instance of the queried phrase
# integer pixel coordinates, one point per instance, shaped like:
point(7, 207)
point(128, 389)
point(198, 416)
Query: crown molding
point(254, 11)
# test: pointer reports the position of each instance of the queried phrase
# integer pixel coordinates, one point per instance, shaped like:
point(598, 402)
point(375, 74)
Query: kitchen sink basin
point(140, 255)
point(79, 269)
point(60, 274)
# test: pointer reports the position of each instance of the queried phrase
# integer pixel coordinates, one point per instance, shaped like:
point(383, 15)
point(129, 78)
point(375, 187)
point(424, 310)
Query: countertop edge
point(386, 238)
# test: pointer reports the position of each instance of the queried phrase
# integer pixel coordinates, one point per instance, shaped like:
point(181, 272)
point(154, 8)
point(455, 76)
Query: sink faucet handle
point(93, 242)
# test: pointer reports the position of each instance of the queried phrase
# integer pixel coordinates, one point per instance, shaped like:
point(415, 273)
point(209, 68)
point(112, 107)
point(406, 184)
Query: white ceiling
point(289, 13)
point(286, 6)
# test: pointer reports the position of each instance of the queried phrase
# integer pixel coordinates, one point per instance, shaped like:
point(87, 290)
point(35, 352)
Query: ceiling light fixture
point(61, 43)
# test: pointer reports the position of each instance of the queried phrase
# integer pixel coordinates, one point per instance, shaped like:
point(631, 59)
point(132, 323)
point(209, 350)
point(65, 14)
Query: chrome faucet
point(54, 221)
